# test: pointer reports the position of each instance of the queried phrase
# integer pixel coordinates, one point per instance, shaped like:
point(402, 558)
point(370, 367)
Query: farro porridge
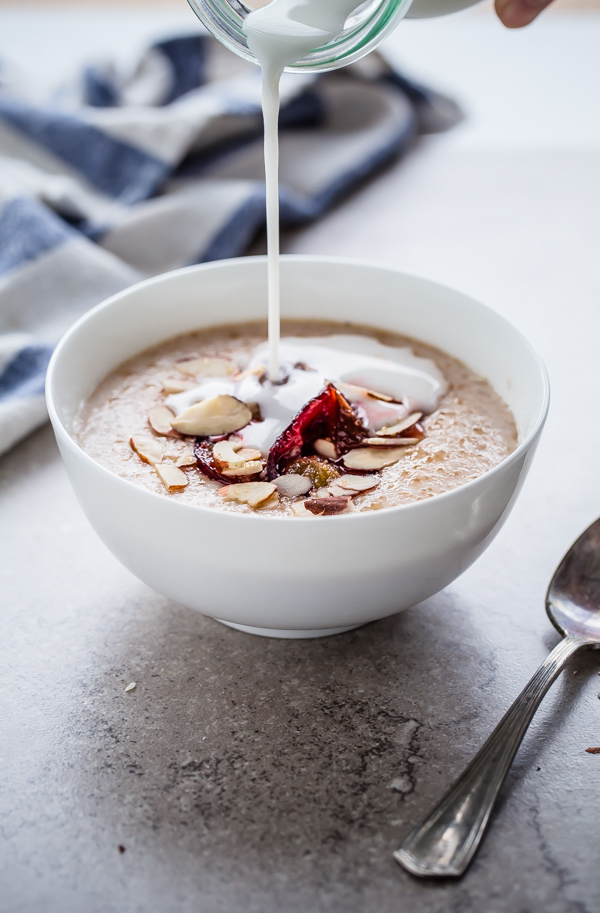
point(361, 419)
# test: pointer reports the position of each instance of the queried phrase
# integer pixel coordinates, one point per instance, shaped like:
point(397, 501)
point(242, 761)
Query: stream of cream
point(280, 34)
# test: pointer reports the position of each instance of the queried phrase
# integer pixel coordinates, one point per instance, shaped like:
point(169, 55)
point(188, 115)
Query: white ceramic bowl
point(282, 576)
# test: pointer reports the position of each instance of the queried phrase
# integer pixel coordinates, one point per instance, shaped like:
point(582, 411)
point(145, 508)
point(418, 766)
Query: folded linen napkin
point(128, 173)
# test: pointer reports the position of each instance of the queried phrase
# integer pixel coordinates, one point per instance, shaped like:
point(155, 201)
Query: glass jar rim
point(225, 18)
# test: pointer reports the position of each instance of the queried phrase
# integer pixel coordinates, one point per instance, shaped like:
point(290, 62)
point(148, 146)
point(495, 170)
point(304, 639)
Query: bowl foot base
point(288, 635)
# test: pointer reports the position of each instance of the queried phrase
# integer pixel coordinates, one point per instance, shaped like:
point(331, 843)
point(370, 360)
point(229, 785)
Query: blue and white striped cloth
point(130, 173)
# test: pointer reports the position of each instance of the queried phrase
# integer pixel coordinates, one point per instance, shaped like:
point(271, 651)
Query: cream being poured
point(280, 34)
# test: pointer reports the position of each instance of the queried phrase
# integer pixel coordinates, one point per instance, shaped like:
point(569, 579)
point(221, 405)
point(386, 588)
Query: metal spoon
point(444, 843)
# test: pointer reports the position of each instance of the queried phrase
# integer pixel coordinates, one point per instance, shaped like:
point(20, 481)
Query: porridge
point(359, 419)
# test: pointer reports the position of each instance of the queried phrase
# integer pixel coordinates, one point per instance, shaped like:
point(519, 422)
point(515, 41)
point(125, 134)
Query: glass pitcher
point(366, 26)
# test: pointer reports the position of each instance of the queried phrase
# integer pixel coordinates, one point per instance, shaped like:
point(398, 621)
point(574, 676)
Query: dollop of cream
point(414, 383)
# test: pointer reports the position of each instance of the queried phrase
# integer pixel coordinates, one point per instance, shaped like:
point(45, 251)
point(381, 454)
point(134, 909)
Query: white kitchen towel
point(129, 172)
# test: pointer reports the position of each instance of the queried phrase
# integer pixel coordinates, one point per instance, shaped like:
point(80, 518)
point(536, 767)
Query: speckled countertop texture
point(249, 775)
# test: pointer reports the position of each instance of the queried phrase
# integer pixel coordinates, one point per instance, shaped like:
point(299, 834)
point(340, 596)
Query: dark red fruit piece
point(326, 507)
point(327, 415)
point(207, 465)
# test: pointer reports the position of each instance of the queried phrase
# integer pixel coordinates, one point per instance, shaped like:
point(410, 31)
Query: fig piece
point(328, 416)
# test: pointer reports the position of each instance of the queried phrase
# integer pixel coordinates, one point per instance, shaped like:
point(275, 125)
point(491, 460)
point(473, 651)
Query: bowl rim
point(59, 426)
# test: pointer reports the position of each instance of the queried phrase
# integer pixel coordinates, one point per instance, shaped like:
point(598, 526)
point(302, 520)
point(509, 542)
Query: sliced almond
point(390, 441)
point(400, 426)
point(186, 461)
point(219, 415)
point(350, 390)
point(252, 493)
point(248, 453)
point(336, 491)
point(147, 448)
point(171, 476)
point(236, 461)
point(300, 510)
point(326, 448)
point(206, 367)
point(226, 453)
point(292, 486)
point(176, 386)
point(251, 468)
point(357, 483)
point(326, 507)
point(159, 419)
point(372, 458)
point(257, 371)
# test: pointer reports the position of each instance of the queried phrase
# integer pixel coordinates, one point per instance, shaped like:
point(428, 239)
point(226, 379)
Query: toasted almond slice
point(186, 461)
point(336, 491)
point(224, 452)
point(219, 415)
point(357, 483)
point(371, 458)
point(326, 448)
point(176, 386)
point(350, 390)
point(326, 507)
point(400, 426)
point(257, 371)
point(390, 441)
point(248, 453)
point(159, 419)
point(206, 367)
point(292, 486)
point(149, 449)
point(252, 493)
point(251, 468)
point(300, 510)
point(171, 476)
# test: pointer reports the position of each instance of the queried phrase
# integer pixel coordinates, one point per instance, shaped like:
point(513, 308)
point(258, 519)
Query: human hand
point(516, 13)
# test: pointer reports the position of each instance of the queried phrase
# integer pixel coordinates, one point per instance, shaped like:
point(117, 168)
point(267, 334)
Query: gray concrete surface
point(246, 775)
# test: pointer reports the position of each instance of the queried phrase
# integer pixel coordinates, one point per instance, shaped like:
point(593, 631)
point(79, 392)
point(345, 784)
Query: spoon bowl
point(573, 598)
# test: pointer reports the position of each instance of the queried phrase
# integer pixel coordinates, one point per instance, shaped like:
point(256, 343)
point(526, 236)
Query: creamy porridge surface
point(470, 432)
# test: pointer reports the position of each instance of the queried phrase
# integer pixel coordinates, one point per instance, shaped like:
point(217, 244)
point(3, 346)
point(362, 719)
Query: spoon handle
point(444, 842)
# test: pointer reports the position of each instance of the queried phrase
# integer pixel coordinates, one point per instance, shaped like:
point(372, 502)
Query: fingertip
point(515, 14)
